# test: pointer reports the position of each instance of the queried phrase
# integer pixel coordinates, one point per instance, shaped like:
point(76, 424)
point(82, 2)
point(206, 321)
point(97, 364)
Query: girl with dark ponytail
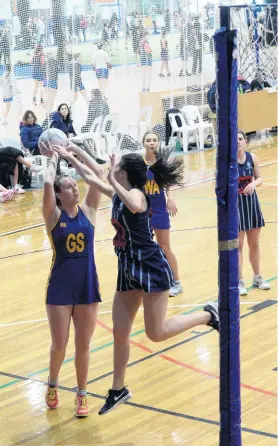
point(162, 202)
point(144, 274)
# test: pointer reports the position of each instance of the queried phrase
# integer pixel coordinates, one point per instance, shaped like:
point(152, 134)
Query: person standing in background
point(164, 53)
point(197, 48)
point(146, 61)
point(76, 84)
point(9, 90)
point(101, 65)
point(38, 71)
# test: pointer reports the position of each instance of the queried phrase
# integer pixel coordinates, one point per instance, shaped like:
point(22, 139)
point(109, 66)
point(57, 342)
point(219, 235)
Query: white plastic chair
point(182, 130)
point(110, 135)
point(143, 124)
point(97, 125)
point(39, 160)
point(195, 120)
point(113, 118)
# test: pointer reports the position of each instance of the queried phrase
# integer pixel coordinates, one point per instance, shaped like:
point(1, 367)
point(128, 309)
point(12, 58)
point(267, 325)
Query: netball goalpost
point(226, 193)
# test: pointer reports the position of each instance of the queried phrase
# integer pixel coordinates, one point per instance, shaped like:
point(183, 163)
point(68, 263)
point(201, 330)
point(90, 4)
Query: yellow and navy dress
point(159, 215)
point(73, 278)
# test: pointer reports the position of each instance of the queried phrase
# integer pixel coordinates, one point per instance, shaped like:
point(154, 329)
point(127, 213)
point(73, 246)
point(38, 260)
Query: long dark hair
point(68, 118)
point(167, 171)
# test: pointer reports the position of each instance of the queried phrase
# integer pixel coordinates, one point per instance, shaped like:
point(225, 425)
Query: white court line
point(24, 322)
point(109, 206)
point(37, 225)
point(32, 321)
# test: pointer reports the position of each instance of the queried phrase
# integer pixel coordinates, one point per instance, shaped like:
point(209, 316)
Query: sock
point(119, 390)
point(52, 383)
point(82, 392)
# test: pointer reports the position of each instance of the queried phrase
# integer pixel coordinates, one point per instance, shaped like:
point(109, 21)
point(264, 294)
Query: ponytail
point(167, 171)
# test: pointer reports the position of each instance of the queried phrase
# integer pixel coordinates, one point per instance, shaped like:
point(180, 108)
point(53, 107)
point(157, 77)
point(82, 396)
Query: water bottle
point(178, 145)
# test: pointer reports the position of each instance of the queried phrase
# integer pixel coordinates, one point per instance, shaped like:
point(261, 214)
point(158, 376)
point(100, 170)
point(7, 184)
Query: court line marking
point(183, 364)
point(135, 405)
point(110, 239)
point(31, 321)
point(26, 228)
point(109, 344)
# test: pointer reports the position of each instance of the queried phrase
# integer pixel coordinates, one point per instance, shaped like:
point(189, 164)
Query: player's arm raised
point(50, 210)
point(92, 198)
point(87, 174)
point(134, 199)
point(85, 158)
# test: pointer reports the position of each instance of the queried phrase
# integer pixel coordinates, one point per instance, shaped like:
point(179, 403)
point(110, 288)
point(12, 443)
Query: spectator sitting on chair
point(62, 120)
point(30, 132)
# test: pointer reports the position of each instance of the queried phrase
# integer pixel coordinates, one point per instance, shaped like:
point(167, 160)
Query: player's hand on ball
point(171, 207)
point(62, 151)
point(46, 149)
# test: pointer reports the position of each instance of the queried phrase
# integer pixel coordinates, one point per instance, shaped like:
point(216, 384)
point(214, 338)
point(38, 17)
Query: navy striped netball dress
point(250, 214)
point(142, 264)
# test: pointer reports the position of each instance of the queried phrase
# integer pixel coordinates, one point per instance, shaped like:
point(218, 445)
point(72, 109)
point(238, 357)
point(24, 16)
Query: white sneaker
point(18, 189)
point(242, 289)
point(259, 282)
point(176, 289)
point(35, 168)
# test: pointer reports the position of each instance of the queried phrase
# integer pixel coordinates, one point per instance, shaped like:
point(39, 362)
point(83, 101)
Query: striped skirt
point(250, 214)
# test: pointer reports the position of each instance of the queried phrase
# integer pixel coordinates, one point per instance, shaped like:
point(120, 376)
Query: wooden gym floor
point(175, 384)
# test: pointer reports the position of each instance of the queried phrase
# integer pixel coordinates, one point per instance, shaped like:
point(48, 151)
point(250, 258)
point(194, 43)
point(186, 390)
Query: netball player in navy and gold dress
point(161, 209)
point(250, 215)
point(72, 289)
point(144, 274)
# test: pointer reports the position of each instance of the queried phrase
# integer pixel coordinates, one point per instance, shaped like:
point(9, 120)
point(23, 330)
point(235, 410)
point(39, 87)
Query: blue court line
point(140, 406)
point(109, 344)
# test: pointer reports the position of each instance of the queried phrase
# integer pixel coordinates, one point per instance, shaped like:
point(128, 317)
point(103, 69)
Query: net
point(134, 61)
point(257, 40)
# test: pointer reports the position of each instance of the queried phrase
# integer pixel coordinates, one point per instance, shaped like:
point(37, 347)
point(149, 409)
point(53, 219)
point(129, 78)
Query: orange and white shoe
point(51, 397)
point(82, 409)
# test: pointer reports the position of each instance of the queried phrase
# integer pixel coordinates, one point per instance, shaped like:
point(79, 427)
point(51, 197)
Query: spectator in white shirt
point(102, 65)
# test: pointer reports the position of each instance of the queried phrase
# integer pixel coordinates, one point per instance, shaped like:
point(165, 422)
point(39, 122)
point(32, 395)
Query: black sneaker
point(114, 399)
point(212, 309)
